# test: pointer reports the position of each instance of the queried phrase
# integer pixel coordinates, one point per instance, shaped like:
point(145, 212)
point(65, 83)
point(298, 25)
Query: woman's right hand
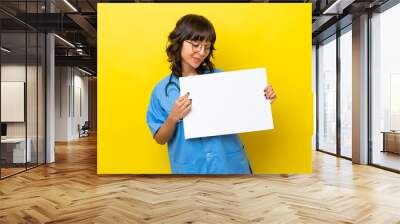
point(181, 107)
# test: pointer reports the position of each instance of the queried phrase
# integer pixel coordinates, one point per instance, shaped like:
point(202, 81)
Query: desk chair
point(84, 130)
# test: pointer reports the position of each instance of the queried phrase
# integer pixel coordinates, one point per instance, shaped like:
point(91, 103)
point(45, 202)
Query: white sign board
point(12, 101)
point(226, 103)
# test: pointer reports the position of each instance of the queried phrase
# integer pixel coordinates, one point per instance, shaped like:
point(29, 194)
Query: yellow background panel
point(131, 59)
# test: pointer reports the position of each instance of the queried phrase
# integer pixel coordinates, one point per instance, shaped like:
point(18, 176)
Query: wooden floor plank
point(70, 191)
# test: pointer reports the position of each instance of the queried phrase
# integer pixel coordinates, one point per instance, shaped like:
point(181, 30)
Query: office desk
point(391, 141)
point(13, 150)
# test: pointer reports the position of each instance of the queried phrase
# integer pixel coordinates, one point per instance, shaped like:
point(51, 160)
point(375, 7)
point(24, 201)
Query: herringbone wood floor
point(69, 191)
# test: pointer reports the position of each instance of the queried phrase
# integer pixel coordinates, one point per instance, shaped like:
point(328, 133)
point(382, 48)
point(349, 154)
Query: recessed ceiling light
point(5, 50)
point(84, 71)
point(337, 7)
point(70, 5)
point(64, 40)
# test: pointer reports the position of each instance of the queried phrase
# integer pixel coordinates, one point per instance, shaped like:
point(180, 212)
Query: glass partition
point(385, 89)
point(346, 93)
point(22, 77)
point(327, 96)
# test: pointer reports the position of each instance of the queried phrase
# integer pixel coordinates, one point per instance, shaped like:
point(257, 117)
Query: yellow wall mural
point(131, 60)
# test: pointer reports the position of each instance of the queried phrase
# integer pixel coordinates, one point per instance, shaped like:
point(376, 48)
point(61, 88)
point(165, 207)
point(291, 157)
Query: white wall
point(12, 73)
point(33, 127)
point(81, 84)
point(71, 94)
point(62, 81)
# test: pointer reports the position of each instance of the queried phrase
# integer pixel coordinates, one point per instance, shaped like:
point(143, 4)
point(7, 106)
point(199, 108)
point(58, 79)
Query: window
point(327, 96)
point(346, 93)
point(385, 88)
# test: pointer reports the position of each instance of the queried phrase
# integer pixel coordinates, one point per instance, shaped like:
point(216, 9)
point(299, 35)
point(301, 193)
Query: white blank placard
point(226, 103)
point(12, 101)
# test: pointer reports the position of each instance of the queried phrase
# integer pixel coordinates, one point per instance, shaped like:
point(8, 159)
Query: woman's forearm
point(166, 131)
point(179, 110)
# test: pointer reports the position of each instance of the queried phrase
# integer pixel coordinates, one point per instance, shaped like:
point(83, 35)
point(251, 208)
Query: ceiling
point(76, 22)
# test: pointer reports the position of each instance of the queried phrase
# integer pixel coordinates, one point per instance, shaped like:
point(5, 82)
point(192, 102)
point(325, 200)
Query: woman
point(191, 46)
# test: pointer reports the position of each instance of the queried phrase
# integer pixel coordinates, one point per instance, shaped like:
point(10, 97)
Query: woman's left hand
point(269, 93)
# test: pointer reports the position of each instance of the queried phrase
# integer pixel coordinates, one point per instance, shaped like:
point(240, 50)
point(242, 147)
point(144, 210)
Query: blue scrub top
point(208, 155)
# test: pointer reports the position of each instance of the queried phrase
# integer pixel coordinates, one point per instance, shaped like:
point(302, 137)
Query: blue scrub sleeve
point(154, 116)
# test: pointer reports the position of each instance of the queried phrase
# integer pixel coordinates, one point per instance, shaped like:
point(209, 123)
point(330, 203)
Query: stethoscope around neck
point(170, 84)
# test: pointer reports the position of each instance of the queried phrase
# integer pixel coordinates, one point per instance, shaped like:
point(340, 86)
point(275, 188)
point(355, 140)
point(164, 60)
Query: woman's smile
point(196, 60)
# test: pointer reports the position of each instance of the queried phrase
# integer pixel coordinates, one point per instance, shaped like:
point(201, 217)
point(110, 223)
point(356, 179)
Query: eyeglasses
point(197, 47)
